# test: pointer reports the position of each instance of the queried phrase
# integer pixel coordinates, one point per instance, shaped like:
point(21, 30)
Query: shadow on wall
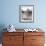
point(2, 26)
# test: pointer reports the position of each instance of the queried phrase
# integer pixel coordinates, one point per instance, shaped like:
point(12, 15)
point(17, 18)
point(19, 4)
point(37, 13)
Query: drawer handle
point(11, 38)
point(33, 39)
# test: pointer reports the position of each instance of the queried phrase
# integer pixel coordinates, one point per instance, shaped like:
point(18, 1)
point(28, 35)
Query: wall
point(9, 13)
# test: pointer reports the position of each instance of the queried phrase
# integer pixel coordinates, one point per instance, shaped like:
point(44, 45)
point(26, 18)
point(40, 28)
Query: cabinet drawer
point(8, 45)
point(20, 44)
point(12, 39)
point(37, 44)
point(34, 33)
point(13, 33)
point(37, 39)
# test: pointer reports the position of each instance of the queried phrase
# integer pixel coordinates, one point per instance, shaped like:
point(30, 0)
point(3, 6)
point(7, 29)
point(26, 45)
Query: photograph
point(26, 13)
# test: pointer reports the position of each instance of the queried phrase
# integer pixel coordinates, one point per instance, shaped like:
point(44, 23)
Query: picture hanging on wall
point(26, 13)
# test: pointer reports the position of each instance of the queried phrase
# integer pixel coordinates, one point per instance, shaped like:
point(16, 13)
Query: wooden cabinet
point(34, 39)
point(23, 39)
point(12, 39)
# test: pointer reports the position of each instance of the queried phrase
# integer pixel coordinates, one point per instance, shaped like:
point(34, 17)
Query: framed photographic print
point(26, 13)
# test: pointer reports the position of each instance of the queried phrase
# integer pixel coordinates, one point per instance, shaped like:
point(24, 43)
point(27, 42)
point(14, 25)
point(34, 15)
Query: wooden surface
point(13, 39)
point(34, 39)
point(23, 39)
